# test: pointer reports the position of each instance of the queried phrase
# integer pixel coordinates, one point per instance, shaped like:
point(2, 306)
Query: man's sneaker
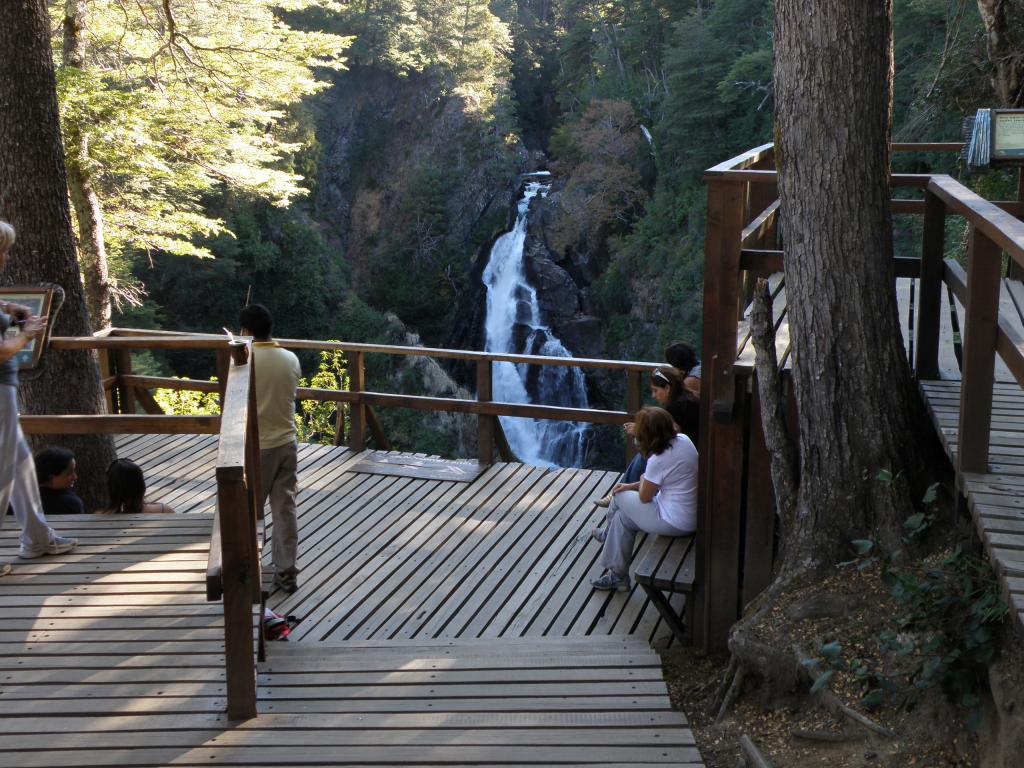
point(285, 583)
point(58, 545)
point(605, 501)
point(611, 582)
point(599, 534)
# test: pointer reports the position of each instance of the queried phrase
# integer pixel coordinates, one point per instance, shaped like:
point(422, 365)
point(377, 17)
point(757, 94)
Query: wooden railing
point(127, 391)
point(736, 522)
point(233, 568)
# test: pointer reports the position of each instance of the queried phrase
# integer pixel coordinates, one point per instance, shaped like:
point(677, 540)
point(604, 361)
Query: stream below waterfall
point(514, 325)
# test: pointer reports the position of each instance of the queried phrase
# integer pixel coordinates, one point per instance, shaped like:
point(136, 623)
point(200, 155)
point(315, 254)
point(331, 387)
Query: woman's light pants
point(19, 486)
point(627, 515)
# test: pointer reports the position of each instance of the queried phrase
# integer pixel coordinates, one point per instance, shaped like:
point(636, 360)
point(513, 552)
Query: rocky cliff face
point(381, 135)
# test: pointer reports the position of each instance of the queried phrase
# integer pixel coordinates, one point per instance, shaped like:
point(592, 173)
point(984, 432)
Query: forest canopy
point(357, 158)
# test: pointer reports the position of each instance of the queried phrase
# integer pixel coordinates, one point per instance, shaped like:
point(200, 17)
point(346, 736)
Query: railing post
point(485, 424)
point(930, 290)
point(108, 368)
point(357, 418)
point(634, 399)
point(1013, 270)
point(237, 492)
point(223, 366)
point(721, 436)
point(722, 291)
point(125, 396)
point(240, 666)
point(984, 268)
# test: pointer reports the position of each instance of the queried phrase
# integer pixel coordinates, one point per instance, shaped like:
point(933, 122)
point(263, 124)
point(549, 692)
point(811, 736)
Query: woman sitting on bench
point(662, 502)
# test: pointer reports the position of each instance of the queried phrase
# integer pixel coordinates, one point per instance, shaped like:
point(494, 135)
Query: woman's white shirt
point(674, 471)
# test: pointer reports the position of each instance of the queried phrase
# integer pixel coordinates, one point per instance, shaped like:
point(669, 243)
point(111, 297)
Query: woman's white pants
point(627, 515)
point(19, 486)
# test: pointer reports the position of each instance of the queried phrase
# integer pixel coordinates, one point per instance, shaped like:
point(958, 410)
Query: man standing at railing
point(277, 373)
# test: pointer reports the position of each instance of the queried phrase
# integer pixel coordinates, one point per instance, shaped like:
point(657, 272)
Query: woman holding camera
point(18, 487)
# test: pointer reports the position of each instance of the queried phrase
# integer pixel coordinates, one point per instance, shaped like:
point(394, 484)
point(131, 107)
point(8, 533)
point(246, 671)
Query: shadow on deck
point(456, 622)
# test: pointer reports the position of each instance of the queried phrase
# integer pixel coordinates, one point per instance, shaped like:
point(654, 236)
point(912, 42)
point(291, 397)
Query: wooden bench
point(666, 565)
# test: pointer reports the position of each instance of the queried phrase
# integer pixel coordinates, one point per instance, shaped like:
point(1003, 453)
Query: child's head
point(126, 486)
point(55, 468)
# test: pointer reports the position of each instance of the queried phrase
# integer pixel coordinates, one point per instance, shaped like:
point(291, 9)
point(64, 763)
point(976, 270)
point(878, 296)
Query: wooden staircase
point(509, 701)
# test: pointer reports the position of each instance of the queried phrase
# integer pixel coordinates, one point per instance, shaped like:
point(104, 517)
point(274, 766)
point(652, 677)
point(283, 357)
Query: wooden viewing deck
point(444, 623)
point(963, 326)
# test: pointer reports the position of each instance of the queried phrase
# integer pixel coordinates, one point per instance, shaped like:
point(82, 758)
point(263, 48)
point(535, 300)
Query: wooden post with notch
point(357, 415)
point(926, 366)
point(485, 424)
point(984, 270)
point(719, 495)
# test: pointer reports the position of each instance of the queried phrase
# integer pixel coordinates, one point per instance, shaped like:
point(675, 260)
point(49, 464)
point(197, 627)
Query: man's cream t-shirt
point(277, 378)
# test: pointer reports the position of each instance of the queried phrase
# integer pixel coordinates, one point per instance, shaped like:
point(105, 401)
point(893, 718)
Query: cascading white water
point(514, 325)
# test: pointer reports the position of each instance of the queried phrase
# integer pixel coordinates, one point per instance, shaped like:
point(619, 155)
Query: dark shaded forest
point(388, 166)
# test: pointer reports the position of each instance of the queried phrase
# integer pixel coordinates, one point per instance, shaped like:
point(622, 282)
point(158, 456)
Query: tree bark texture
point(858, 413)
point(88, 212)
point(34, 198)
point(1004, 54)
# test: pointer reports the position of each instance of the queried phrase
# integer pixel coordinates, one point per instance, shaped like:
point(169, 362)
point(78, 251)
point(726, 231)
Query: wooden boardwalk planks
point(111, 655)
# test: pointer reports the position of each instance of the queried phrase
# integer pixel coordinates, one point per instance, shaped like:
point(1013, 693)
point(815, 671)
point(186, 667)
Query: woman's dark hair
point(671, 378)
point(681, 356)
point(257, 320)
point(654, 430)
point(51, 462)
point(126, 486)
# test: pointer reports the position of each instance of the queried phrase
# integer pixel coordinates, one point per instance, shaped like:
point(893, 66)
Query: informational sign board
point(1008, 135)
point(39, 302)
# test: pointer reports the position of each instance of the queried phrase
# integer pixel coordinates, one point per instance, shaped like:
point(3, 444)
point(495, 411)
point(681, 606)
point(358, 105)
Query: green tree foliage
point(460, 44)
point(181, 402)
point(316, 421)
point(599, 155)
point(180, 99)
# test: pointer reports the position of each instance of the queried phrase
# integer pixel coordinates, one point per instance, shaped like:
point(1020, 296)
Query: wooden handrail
point(135, 339)
point(238, 565)
point(121, 424)
point(1000, 227)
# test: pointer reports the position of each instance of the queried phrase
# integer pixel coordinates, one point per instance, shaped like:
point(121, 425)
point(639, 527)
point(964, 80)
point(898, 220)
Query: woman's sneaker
point(599, 534)
point(603, 502)
point(611, 582)
point(58, 545)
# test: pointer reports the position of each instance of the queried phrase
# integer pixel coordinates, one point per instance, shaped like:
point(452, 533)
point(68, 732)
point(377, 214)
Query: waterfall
point(514, 325)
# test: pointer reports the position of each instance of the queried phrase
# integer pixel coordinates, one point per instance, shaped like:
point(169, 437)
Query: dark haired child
point(57, 475)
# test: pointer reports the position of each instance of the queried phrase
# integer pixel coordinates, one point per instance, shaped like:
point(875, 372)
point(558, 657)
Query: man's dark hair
point(51, 462)
point(257, 319)
point(681, 356)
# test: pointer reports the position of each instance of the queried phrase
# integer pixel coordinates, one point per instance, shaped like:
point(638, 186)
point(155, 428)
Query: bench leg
point(668, 613)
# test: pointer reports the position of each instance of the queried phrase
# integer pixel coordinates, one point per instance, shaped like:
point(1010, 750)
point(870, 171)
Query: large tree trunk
point(34, 198)
point(1004, 54)
point(858, 414)
point(80, 183)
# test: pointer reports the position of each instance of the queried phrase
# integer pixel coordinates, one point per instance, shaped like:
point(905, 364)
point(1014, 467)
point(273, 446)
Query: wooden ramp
point(112, 656)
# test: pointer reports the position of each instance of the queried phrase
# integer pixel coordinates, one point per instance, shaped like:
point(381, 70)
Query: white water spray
point(514, 325)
